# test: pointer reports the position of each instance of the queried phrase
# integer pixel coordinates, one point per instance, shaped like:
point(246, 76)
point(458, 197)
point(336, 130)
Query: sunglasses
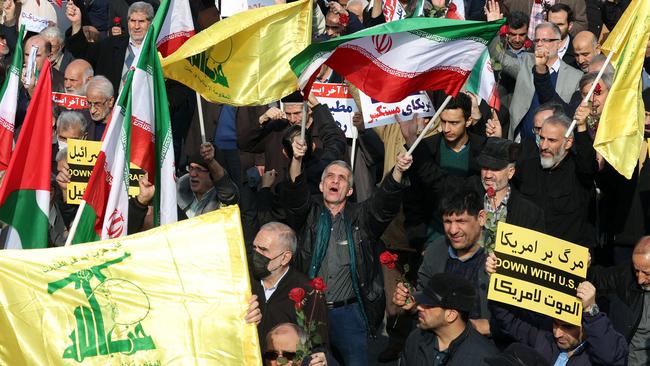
point(273, 355)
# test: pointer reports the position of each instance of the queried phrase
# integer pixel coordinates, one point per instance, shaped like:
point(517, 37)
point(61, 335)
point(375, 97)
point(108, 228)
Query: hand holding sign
point(587, 293)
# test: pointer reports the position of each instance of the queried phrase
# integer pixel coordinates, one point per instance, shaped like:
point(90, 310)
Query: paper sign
point(377, 114)
point(82, 155)
point(33, 23)
point(538, 272)
point(340, 102)
point(232, 7)
point(70, 101)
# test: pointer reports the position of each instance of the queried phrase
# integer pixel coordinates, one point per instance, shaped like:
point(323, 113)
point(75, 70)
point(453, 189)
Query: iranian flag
point(9, 102)
point(25, 191)
point(177, 27)
point(392, 60)
point(482, 83)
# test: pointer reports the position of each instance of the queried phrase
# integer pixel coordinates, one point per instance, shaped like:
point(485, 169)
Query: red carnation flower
point(491, 192)
point(598, 89)
point(503, 31)
point(528, 43)
point(344, 19)
point(318, 284)
point(388, 259)
point(297, 294)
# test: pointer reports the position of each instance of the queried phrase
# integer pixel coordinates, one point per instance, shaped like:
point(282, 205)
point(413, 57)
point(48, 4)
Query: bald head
point(586, 47)
point(76, 76)
point(284, 337)
point(641, 262)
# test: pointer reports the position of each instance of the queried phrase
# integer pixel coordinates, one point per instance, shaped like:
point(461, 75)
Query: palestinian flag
point(392, 60)
point(482, 83)
point(177, 27)
point(9, 102)
point(25, 191)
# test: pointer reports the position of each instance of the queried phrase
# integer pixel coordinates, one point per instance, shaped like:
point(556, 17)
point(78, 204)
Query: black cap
point(497, 153)
point(517, 354)
point(448, 291)
point(196, 159)
point(294, 97)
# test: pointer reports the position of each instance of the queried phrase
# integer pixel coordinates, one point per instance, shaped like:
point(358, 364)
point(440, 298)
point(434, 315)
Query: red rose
point(344, 19)
point(528, 43)
point(598, 89)
point(297, 294)
point(503, 31)
point(491, 192)
point(116, 21)
point(318, 284)
point(388, 259)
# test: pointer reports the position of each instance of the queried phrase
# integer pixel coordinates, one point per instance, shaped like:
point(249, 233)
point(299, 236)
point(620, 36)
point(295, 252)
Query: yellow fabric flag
point(174, 295)
point(244, 59)
point(620, 130)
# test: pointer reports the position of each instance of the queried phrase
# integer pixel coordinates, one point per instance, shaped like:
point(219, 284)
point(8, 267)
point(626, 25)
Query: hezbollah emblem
point(90, 337)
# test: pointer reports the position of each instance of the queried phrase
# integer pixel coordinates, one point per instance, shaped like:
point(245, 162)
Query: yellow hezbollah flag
point(175, 295)
point(620, 131)
point(244, 59)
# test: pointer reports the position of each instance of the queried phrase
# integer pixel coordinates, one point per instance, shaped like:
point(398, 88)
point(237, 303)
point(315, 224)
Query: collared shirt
point(562, 51)
point(517, 53)
point(555, 68)
point(563, 357)
point(269, 291)
point(197, 205)
point(494, 216)
point(335, 268)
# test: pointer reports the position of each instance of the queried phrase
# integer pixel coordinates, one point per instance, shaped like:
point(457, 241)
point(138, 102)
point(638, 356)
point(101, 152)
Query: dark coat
point(368, 221)
point(604, 346)
point(619, 295)
point(564, 193)
point(470, 348)
point(279, 308)
point(105, 56)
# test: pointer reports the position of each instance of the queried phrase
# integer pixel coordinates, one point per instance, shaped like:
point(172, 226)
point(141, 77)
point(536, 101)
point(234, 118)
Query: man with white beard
point(561, 179)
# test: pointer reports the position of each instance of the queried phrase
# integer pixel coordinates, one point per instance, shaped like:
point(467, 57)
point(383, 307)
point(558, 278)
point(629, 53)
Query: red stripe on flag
point(172, 42)
point(100, 181)
point(384, 87)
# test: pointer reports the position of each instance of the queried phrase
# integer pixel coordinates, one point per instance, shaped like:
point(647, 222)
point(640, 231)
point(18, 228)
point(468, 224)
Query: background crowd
point(307, 214)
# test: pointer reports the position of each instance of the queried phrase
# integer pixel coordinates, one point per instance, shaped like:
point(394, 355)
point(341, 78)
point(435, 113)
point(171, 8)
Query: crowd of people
point(312, 222)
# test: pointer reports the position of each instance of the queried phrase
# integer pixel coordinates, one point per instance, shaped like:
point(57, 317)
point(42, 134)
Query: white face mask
point(62, 144)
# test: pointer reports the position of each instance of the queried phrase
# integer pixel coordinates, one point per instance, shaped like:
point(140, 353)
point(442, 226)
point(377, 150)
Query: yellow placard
point(174, 295)
point(81, 158)
point(538, 272)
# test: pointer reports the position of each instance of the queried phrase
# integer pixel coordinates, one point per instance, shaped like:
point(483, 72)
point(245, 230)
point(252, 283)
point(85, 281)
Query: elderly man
point(283, 342)
point(59, 56)
point(273, 278)
point(560, 179)
point(443, 336)
point(547, 68)
point(337, 239)
point(585, 46)
point(112, 56)
point(99, 95)
point(594, 342)
point(625, 289)
point(76, 77)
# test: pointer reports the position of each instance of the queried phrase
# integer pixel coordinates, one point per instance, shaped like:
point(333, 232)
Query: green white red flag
point(25, 190)
point(482, 82)
point(177, 27)
point(390, 61)
point(9, 102)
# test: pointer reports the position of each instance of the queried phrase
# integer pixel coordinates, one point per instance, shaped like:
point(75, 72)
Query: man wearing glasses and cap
point(443, 335)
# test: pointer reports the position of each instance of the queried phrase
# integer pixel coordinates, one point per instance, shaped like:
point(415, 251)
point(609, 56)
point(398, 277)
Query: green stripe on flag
point(86, 228)
point(26, 217)
point(474, 81)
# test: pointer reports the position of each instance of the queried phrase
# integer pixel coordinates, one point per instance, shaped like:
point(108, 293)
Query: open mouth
point(334, 190)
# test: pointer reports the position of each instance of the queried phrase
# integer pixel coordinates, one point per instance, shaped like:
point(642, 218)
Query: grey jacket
point(224, 192)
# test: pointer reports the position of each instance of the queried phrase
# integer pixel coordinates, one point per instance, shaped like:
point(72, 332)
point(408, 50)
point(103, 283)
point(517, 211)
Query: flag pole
point(591, 91)
point(303, 122)
point(75, 223)
point(200, 110)
point(428, 126)
point(354, 147)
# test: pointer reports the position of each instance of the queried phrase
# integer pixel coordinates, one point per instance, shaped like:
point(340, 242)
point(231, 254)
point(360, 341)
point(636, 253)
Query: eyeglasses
point(536, 130)
point(545, 40)
point(96, 104)
point(273, 355)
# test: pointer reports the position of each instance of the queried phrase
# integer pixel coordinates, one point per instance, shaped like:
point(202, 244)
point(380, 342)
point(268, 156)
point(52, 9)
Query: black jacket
point(368, 221)
point(564, 192)
point(619, 295)
point(279, 308)
point(470, 348)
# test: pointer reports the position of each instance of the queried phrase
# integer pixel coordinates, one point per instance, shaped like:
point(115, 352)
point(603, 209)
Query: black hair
point(556, 107)
point(287, 139)
point(464, 316)
point(460, 201)
point(517, 19)
point(463, 102)
point(646, 99)
point(562, 7)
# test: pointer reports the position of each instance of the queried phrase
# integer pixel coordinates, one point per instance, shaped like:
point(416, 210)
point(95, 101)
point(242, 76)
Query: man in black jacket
point(339, 241)
point(273, 279)
point(443, 336)
point(625, 295)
